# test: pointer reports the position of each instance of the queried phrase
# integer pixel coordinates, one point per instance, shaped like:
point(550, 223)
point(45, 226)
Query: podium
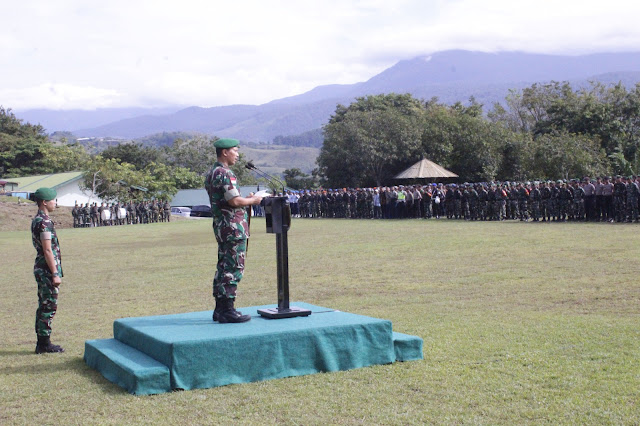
point(278, 218)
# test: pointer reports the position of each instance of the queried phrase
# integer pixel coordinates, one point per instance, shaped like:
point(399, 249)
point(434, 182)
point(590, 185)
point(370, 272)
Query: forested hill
point(451, 76)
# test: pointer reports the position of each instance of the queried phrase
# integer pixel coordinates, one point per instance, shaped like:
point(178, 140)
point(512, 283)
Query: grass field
point(522, 323)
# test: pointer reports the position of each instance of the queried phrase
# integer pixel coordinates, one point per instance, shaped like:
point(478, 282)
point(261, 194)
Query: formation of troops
point(132, 213)
point(603, 199)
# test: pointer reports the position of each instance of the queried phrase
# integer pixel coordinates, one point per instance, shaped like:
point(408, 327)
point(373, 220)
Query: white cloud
point(121, 53)
point(60, 96)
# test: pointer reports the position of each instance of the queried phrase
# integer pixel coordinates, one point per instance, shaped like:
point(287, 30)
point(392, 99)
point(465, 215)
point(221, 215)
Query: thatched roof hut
point(426, 169)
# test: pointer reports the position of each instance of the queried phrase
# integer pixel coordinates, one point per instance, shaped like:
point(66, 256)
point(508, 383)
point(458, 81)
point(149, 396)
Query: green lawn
point(522, 322)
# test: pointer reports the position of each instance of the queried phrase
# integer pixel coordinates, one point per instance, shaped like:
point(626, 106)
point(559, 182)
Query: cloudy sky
point(68, 54)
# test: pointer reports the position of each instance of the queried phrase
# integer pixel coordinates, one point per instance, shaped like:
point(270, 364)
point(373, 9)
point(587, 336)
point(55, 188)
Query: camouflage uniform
point(166, 207)
point(230, 228)
point(633, 193)
point(535, 197)
point(76, 216)
point(523, 198)
point(47, 292)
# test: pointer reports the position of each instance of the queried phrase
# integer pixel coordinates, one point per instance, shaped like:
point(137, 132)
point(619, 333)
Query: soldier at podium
point(230, 226)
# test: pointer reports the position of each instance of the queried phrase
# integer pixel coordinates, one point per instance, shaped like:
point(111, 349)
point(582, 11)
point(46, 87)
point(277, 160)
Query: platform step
point(407, 347)
point(127, 367)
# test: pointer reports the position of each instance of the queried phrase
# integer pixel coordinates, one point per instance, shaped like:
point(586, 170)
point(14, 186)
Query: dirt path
point(17, 216)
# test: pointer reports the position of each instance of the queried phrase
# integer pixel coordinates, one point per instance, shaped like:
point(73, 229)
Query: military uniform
point(42, 228)
point(230, 228)
point(167, 211)
point(633, 194)
point(76, 216)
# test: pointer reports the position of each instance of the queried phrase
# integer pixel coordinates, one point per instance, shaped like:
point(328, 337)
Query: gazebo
point(427, 170)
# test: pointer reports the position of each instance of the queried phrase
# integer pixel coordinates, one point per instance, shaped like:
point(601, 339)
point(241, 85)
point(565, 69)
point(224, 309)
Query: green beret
point(226, 143)
point(45, 194)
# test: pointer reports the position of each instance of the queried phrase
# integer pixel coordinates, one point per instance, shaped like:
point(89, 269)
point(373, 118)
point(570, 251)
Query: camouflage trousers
point(523, 210)
point(632, 208)
point(535, 210)
point(47, 302)
point(230, 268)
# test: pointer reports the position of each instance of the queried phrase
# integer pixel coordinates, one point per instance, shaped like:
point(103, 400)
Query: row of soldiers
point(603, 199)
point(93, 215)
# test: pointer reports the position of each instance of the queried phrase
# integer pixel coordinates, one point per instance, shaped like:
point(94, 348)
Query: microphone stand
point(278, 219)
point(271, 179)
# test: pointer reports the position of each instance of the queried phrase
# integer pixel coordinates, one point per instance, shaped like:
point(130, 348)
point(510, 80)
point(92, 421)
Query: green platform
point(189, 351)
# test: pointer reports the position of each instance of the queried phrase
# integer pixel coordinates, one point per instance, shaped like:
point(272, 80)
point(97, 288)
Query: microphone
point(272, 179)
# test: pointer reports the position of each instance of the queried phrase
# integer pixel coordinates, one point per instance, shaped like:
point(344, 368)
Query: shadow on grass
point(51, 366)
point(75, 365)
point(18, 352)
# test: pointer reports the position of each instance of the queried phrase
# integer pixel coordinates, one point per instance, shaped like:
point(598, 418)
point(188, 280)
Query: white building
point(67, 185)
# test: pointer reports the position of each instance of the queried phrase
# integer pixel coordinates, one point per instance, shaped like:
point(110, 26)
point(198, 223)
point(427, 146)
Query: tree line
point(125, 172)
point(546, 131)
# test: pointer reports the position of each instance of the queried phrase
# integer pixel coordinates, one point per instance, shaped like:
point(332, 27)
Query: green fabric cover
point(407, 347)
point(204, 354)
point(187, 351)
point(127, 367)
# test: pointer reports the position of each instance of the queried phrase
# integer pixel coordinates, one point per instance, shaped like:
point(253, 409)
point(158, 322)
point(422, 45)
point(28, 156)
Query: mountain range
point(451, 76)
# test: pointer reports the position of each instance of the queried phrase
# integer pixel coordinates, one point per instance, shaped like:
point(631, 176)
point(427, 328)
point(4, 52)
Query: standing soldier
point(230, 228)
point(514, 194)
point(426, 202)
point(491, 201)
point(483, 197)
point(155, 211)
point(114, 214)
point(377, 208)
point(589, 198)
point(523, 198)
point(607, 200)
point(599, 201)
point(408, 202)
point(535, 197)
point(166, 207)
point(47, 268)
point(619, 196)
point(76, 216)
point(564, 199)
point(457, 202)
point(555, 200)
point(86, 214)
point(95, 219)
point(502, 201)
point(545, 200)
point(578, 201)
point(146, 212)
point(131, 213)
point(473, 203)
point(140, 212)
point(100, 210)
point(633, 194)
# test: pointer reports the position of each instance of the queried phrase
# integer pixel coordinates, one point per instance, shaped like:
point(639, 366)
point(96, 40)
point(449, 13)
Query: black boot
point(218, 309)
point(228, 314)
point(45, 346)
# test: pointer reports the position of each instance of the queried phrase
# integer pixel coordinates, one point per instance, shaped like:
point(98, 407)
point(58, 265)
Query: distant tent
point(425, 169)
